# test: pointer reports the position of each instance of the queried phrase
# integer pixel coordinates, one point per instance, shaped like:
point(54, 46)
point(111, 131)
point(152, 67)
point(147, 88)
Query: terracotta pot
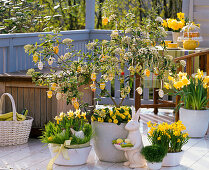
point(172, 159)
point(104, 134)
point(196, 121)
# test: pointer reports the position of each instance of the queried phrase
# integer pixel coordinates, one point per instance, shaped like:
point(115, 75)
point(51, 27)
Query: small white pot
point(154, 165)
point(196, 121)
point(77, 156)
point(172, 159)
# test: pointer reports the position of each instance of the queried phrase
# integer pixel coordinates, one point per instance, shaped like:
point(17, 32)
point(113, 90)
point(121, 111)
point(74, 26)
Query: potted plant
point(193, 91)
point(108, 124)
point(172, 137)
point(68, 138)
point(154, 155)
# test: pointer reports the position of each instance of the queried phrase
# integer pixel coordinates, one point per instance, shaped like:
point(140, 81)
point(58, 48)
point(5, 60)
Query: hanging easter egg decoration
point(102, 86)
point(93, 76)
point(139, 90)
point(122, 93)
point(59, 95)
point(76, 105)
point(40, 65)
point(53, 86)
point(74, 99)
point(50, 60)
point(56, 49)
point(93, 87)
point(110, 76)
point(49, 94)
point(161, 93)
point(102, 58)
point(35, 58)
point(156, 71)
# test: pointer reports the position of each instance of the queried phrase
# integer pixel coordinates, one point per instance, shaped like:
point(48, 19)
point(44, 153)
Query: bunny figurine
point(132, 154)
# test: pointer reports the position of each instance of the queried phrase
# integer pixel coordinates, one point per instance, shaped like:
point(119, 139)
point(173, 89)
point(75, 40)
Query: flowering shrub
point(172, 137)
point(114, 115)
point(193, 91)
point(60, 131)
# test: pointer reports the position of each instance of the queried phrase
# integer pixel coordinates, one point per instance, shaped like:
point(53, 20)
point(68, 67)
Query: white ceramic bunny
point(133, 155)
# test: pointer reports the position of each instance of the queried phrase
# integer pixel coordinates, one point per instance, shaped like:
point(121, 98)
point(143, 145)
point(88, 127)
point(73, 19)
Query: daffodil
point(53, 86)
point(70, 113)
point(166, 85)
point(180, 15)
point(49, 94)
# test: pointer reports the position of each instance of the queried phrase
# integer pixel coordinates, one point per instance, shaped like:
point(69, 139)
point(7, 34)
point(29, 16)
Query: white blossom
point(67, 41)
point(128, 30)
point(91, 45)
point(114, 34)
point(159, 19)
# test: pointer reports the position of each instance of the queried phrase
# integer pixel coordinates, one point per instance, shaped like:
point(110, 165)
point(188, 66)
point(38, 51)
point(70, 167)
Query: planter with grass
point(170, 136)
point(154, 155)
point(68, 138)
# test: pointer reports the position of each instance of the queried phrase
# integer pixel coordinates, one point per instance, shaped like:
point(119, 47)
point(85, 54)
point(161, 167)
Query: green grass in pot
point(153, 153)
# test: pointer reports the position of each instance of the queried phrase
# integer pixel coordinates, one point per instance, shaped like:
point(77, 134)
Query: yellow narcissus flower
point(76, 105)
point(178, 84)
point(147, 72)
point(164, 24)
point(56, 49)
point(180, 75)
point(170, 78)
point(35, 58)
point(49, 94)
point(50, 138)
point(149, 124)
point(114, 117)
point(110, 120)
point(185, 81)
point(180, 15)
point(115, 121)
point(199, 74)
point(206, 79)
point(205, 86)
point(166, 85)
point(102, 86)
point(79, 69)
point(53, 86)
point(70, 113)
point(105, 21)
point(83, 114)
point(93, 76)
point(159, 138)
point(178, 141)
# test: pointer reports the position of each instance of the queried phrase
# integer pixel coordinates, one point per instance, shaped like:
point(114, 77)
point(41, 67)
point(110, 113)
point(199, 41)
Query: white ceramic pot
point(172, 159)
point(77, 156)
point(175, 36)
point(104, 134)
point(154, 165)
point(196, 121)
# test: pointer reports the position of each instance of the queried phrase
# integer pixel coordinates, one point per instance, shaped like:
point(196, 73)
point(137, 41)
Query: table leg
point(155, 100)
point(177, 112)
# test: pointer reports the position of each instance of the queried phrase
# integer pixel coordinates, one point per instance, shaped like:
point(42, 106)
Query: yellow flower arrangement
point(113, 115)
point(193, 91)
point(170, 136)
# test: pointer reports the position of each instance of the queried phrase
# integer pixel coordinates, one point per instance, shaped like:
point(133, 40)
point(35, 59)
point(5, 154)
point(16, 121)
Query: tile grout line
point(199, 159)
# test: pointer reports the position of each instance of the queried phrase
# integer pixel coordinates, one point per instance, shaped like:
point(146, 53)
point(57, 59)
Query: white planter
point(154, 165)
point(77, 156)
point(172, 159)
point(196, 121)
point(104, 134)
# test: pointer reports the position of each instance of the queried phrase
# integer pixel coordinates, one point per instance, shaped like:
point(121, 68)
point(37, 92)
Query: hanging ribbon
point(58, 149)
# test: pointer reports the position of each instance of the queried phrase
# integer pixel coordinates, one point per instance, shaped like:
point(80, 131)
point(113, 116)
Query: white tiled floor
point(35, 156)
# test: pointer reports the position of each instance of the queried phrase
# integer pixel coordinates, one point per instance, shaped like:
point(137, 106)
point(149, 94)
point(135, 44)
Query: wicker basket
point(14, 132)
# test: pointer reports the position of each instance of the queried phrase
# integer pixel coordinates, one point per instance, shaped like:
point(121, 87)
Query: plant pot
point(104, 134)
point(196, 121)
point(175, 36)
point(172, 159)
point(77, 156)
point(154, 165)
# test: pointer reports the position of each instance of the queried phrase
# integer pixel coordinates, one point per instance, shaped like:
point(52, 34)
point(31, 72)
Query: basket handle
point(13, 105)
